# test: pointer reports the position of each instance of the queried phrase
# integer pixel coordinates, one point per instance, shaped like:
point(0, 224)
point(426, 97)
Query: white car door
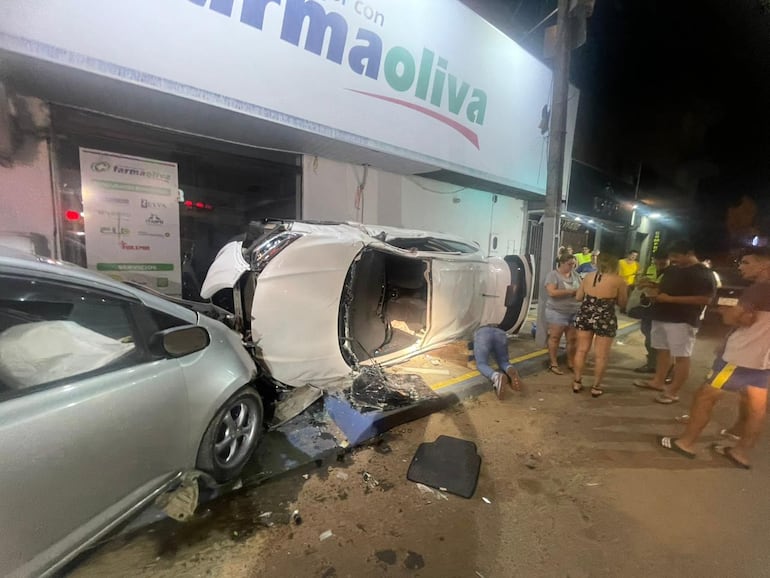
point(89, 424)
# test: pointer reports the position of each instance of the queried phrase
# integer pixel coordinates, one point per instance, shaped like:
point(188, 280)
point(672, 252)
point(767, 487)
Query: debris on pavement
point(325, 535)
point(340, 475)
point(306, 476)
point(293, 403)
point(181, 502)
point(296, 518)
point(370, 480)
point(375, 390)
point(532, 461)
point(426, 490)
point(486, 500)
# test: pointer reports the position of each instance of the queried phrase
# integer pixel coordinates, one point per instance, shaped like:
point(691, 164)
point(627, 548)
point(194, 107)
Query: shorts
point(731, 377)
point(678, 338)
point(553, 317)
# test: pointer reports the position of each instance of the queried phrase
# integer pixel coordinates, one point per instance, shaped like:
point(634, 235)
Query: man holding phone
point(686, 288)
point(742, 366)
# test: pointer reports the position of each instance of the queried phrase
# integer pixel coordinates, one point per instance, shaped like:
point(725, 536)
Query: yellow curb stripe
point(515, 360)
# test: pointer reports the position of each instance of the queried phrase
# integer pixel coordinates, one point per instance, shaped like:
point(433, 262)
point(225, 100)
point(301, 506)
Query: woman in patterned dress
point(596, 321)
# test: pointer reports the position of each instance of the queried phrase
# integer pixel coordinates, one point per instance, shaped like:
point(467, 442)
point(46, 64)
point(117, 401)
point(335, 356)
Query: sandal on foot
point(669, 443)
point(596, 391)
point(666, 399)
point(727, 452)
point(646, 385)
point(579, 387)
point(684, 418)
point(555, 369)
point(725, 433)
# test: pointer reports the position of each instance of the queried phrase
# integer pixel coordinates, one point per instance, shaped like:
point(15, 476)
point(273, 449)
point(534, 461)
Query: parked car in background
point(314, 300)
point(108, 395)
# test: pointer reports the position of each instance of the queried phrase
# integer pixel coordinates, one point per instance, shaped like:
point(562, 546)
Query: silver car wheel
point(236, 432)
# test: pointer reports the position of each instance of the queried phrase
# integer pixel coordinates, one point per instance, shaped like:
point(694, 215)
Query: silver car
point(108, 395)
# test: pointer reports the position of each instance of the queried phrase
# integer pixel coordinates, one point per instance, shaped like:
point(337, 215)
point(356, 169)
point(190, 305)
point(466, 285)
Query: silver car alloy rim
point(235, 433)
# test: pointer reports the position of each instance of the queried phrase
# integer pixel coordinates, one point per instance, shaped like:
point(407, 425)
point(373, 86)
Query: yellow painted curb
point(515, 360)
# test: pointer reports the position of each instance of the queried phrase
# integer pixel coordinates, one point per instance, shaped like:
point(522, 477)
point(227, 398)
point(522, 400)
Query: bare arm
point(622, 294)
point(684, 299)
point(554, 292)
point(737, 316)
point(581, 292)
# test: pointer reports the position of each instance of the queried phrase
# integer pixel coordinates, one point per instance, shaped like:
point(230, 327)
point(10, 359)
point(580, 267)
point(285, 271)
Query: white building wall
point(26, 198)
point(329, 193)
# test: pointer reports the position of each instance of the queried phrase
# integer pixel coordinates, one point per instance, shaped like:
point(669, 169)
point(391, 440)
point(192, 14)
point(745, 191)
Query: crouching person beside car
point(491, 340)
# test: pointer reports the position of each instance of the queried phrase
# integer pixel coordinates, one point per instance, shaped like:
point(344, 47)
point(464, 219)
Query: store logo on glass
point(100, 166)
point(154, 219)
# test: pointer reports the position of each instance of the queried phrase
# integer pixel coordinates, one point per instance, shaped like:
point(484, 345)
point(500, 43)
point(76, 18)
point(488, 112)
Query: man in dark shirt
point(686, 288)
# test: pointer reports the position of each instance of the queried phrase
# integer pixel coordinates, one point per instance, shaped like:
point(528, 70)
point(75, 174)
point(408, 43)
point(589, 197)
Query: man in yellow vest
point(584, 257)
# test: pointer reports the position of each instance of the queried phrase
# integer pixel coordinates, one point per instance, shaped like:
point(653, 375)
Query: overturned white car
point(314, 299)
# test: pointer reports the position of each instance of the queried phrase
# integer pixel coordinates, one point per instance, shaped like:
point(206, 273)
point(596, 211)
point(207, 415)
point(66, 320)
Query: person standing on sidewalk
point(597, 322)
point(685, 290)
point(743, 366)
point(653, 275)
point(629, 267)
point(491, 340)
point(560, 308)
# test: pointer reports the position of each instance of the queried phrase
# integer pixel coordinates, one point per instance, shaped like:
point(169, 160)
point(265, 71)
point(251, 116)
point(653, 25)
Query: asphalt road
point(575, 485)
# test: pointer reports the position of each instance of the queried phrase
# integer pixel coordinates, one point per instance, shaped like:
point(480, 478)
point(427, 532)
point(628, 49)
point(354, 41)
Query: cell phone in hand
point(727, 301)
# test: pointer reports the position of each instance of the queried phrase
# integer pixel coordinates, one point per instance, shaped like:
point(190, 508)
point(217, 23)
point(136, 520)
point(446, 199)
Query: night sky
point(682, 87)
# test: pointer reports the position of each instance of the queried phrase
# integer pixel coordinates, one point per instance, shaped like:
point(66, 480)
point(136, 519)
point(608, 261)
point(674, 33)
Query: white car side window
point(51, 332)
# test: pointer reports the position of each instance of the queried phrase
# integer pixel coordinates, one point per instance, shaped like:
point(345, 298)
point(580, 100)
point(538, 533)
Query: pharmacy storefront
point(162, 128)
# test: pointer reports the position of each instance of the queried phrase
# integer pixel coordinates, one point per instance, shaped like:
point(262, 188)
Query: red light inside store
point(198, 205)
point(72, 216)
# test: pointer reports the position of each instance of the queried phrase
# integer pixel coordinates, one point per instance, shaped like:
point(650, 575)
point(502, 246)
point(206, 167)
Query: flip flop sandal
point(685, 418)
point(725, 433)
point(640, 383)
point(579, 387)
point(726, 452)
point(666, 399)
point(596, 391)
point(669, 443)
point(555, 370)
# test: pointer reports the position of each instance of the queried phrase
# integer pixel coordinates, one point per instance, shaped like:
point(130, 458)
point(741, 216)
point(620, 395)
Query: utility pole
point(556, 145)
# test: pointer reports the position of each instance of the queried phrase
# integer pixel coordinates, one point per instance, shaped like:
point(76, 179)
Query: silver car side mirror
point(179, 341)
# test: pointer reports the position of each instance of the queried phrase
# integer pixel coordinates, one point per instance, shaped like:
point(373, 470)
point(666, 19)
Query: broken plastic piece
point(296, 518)
point(487, 500)
point(325, 535)
point(341, 475)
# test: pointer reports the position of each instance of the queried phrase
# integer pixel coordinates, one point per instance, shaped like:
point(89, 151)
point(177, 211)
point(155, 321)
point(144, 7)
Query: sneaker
point(513, 378)
point(497, 384)
point(645, 369)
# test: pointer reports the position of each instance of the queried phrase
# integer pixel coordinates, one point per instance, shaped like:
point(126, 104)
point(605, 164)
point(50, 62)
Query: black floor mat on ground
point(448, 463)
